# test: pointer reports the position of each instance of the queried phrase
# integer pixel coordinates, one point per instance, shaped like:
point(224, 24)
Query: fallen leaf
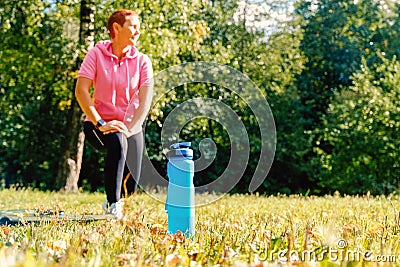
point(172, 260)
point(6, 229)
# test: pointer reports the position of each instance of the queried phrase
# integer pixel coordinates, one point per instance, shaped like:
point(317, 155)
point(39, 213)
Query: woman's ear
point(116, 28)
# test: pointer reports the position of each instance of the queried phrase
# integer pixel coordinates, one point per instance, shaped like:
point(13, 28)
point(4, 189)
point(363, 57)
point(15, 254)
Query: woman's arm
point(145, 99)
point(85, 102)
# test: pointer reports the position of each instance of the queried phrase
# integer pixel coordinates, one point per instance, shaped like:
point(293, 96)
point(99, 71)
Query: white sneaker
point(105, 207)
point(117, 208)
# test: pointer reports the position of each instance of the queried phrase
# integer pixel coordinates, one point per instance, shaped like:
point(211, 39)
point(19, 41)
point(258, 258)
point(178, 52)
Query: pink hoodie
point(116, 83)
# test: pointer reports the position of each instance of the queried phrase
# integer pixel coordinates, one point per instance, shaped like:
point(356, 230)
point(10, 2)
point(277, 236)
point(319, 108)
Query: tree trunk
point(68, 174)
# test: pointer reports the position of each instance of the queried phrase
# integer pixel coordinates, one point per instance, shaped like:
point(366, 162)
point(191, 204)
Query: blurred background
point(329, 70)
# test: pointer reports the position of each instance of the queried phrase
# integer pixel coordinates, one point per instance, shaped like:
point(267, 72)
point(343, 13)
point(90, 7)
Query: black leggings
point(119, 151)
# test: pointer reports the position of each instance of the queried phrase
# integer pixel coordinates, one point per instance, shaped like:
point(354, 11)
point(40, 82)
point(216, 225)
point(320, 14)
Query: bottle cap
point(180, 145)
point(181, 150)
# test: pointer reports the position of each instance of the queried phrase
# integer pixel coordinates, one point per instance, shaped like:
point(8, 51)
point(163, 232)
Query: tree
point(336, 36)
point(34, 65)
point(70, 167)
point(362, 126)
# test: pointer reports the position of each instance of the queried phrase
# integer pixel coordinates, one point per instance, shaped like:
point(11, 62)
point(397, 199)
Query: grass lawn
point(236, 230)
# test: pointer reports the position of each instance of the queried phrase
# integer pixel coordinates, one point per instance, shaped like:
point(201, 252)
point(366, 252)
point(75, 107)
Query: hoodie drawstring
point(114, 95)
point(129, 82)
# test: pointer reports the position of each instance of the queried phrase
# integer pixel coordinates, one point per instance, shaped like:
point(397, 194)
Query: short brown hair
point(119, 17)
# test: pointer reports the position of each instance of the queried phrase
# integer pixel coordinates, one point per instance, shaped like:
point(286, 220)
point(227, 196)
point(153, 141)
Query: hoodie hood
point(106, 49)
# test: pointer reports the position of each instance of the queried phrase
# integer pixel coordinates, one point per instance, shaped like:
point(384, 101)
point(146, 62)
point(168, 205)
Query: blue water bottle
point(180, 199)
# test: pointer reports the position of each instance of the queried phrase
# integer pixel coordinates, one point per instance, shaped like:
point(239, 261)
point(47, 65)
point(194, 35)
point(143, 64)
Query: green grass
point(236, 230)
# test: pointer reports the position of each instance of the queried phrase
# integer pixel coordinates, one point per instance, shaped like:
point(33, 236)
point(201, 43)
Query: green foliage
point(361, 130)
point(281, 63)
point(35, 65)
point(336, 36)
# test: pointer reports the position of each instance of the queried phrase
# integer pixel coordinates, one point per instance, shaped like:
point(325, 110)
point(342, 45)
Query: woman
point(122, 80)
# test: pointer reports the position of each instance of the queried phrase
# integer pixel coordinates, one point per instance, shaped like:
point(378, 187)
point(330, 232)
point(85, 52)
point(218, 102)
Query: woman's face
point(129, 32)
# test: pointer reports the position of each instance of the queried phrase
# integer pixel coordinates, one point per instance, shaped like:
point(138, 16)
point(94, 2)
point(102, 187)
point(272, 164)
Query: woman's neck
point(118, 49)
